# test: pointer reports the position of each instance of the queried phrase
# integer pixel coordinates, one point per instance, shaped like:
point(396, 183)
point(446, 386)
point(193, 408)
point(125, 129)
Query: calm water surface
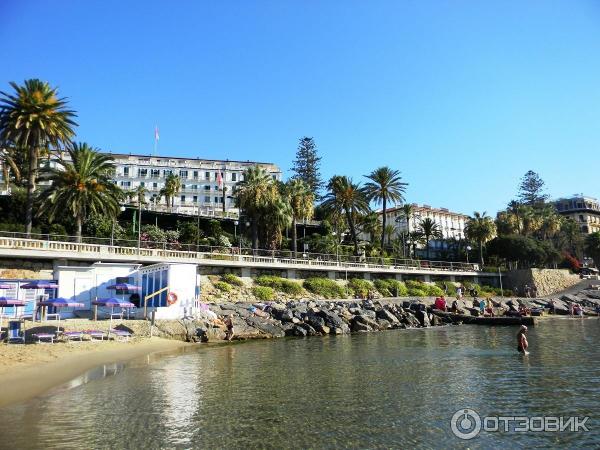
point(397, 389)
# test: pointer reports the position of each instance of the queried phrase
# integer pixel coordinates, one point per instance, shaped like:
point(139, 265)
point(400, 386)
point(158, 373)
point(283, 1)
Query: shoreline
point(39, 370)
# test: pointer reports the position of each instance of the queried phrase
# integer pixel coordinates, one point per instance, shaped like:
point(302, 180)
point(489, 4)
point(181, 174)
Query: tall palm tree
point(301, 199)
point(81, 185)
point(550, 222)
point(255, 193)
point(389, 232)
point(386, 186)
point(346, 197)
point(138, 195)
point(172, 188)
point(276, 220)
point(480, 228)
point(429, 229)
point(35, 120)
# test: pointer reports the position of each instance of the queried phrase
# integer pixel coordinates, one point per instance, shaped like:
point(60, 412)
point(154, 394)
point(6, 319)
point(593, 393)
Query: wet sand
point(27, 371)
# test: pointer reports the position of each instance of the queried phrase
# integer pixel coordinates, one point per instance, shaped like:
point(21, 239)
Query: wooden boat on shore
point(485, 320)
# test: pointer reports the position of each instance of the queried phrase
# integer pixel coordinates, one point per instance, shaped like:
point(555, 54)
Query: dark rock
point(359, 326)
point(310, 330)
point(383, 324)
point(299, 331)
point(384, 314)
point(331, 319)
point(266, 326)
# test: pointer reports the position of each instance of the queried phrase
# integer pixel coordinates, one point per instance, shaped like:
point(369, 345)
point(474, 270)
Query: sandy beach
point(27, 371)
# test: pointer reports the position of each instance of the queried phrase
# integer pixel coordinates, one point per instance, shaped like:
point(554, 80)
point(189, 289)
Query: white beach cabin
point(170, 290)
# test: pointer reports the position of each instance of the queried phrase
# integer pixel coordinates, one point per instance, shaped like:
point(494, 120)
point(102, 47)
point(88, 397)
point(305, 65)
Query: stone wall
point(546, 281)
point(24, 269)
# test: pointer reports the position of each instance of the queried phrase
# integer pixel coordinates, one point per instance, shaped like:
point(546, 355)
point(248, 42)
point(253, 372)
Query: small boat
point(484, 320)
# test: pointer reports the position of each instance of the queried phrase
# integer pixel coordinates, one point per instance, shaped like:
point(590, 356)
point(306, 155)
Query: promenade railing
point(129, 248)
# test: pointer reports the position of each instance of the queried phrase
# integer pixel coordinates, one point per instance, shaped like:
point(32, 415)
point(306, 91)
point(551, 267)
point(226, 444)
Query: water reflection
point(392, 389)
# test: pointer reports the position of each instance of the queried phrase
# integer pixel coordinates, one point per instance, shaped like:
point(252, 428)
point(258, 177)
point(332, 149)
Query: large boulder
point(310, 331)
point(266, 326)
point(360, 327)
point(365, 320)
point(384, 314)
point(331, 319)
point(299, 331)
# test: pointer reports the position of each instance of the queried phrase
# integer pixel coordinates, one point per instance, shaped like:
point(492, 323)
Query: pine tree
point(306, 165)
point(531, 190)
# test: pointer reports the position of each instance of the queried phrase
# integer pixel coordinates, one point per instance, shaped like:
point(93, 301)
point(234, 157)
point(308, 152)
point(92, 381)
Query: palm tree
point(138, 195)
point(386, 186)
point(172, 188)
point(278, 218)
point(8, 162)
point(429, 229)
point(550, 222)
point(81, 185)
point(34, 120)
point(301, 199)
point(389, 232)
point(480, 228)
point(346, 197)
point(256, 192)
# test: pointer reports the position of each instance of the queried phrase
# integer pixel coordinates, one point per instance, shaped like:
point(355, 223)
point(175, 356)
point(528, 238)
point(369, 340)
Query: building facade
point(451, 225)
point(207, 186)
point(584, 210)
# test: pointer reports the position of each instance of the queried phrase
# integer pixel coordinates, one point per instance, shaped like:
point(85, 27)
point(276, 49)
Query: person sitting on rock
point(482, 307)
point(454, 307)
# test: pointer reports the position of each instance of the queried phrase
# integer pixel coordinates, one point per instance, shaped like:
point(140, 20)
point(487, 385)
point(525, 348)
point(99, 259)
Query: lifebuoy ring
point(171, 298)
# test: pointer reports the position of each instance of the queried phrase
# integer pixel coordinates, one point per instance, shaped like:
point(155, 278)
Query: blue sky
point(462, 96)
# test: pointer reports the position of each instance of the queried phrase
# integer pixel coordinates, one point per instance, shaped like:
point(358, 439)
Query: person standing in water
point(522, 343)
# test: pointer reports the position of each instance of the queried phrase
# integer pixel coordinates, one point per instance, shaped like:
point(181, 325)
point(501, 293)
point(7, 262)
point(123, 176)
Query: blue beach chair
point(15, 332)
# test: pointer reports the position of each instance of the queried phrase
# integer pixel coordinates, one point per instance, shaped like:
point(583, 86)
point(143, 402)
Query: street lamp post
point(139, 228)
point(468, 250)
point(235, 225)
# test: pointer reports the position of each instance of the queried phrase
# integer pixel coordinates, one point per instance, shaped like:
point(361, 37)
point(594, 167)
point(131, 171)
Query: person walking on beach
point(522, 343)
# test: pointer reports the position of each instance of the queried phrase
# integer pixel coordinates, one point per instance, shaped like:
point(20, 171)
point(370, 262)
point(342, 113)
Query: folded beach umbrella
point(39, 284)
point(5, 286)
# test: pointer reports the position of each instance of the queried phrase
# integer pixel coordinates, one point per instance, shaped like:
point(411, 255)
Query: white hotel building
point(451, 224)
point(200, 191)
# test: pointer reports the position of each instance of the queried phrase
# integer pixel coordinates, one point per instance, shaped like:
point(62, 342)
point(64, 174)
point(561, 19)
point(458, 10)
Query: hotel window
point(154, 185)
point(216, 187)
point(195, 174)
point(195, 199)
point(167, 172)
point(216, 199)
point(207, 175)
point(125, 171)
point(182, 198)
point(183, 187)
point(126, 184)
point(143, 173)
point(155, 173)
point(234, 176)
point(207, 199)
point(183, 173)
point(207, 187)
point(142, 184)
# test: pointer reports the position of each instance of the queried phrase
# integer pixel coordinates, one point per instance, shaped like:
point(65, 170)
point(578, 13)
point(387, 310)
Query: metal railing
point(103, 246)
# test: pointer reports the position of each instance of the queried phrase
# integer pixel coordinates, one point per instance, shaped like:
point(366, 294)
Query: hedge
point(232, 279)
point(264, 293)
point(324, 287)
point(279, 284)
point(360, 287)
point(391, 288)
point(223, 286)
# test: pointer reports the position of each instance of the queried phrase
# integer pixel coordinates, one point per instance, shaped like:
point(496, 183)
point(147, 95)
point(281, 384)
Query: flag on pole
point(156, 135)
point(220, 179)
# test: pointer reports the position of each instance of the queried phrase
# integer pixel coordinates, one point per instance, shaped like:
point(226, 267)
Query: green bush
point(391, 288)
point(264, 293)
point(415, 284)
point(324, 287)
point(232, 279)
point(450, 286)
point(222, 286)
point(415, 292)
point(360, 287)
point(279, 284)
point(433, 290)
